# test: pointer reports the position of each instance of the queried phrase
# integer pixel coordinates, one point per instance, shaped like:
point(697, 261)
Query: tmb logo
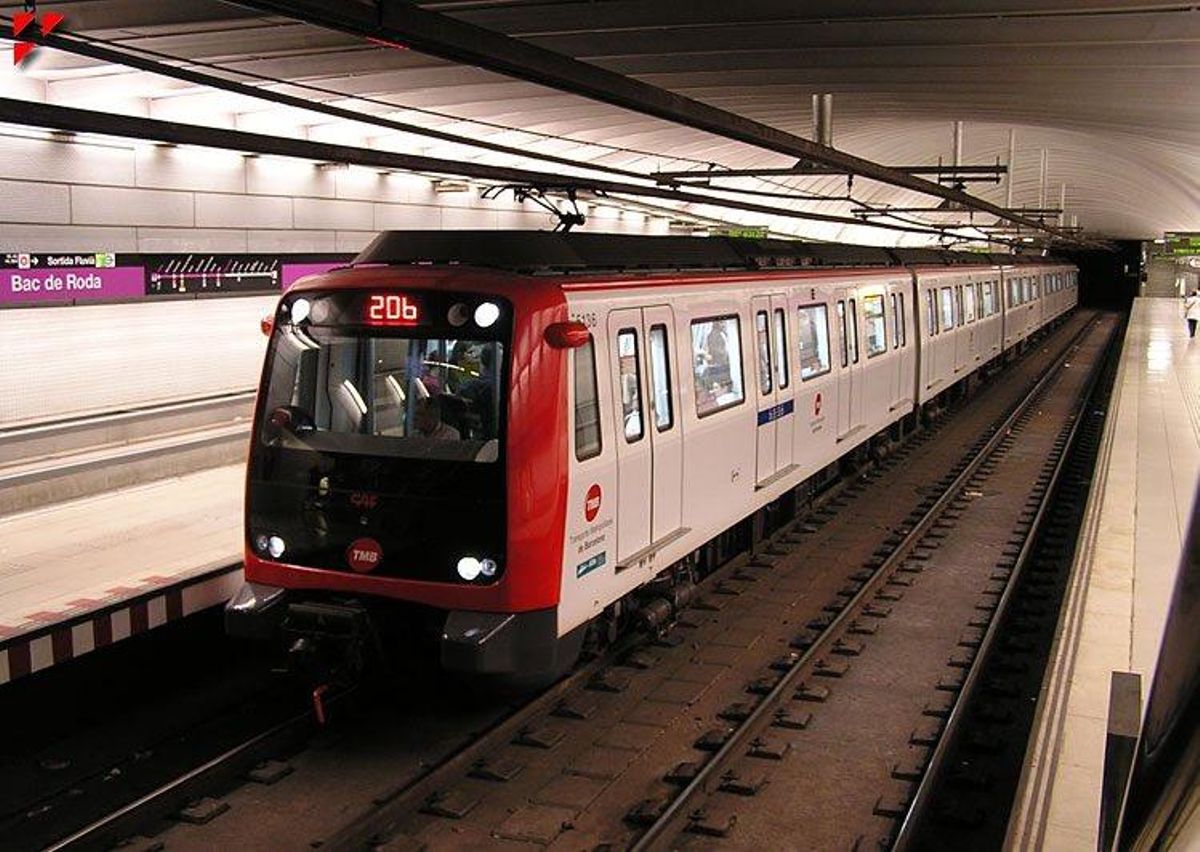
point(22, 50)
point(591, 503)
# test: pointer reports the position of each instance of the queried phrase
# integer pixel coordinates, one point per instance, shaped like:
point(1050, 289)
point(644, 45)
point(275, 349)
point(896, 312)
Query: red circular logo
point(817, 405)
point(591, 503)
point(364, 554)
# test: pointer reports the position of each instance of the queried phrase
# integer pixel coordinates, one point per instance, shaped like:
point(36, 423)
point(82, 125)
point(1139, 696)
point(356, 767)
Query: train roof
point(548, 252)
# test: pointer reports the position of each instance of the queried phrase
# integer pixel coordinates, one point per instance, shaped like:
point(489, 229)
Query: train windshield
point(344, 378)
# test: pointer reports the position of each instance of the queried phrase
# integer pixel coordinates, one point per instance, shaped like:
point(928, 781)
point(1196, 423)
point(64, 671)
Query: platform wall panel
point(23, 158)
point(215, 210)
point(107, 205)
point(77, 360)
point(35, 202)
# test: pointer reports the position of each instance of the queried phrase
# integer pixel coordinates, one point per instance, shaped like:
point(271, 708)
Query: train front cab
point(407, 472)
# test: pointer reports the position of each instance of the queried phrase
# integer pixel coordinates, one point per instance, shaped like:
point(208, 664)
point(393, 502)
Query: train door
point(627, 343)
point(666, 426)
point(648, 431)
point(962, 340)
point(901, 382)
point(847, 381)
point(785, 421)
point(774, 425)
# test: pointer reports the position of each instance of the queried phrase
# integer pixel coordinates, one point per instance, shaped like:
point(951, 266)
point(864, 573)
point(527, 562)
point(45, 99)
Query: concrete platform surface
point(85, 573)
point(1124, 571)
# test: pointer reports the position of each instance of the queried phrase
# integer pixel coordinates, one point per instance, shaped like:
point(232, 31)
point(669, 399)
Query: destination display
point(51, 278)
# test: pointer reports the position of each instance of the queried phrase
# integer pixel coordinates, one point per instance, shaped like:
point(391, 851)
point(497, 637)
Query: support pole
point(1012, 155)
point(958, 143)
point(1062, 204)
point(1042, 182)
point(822, 119)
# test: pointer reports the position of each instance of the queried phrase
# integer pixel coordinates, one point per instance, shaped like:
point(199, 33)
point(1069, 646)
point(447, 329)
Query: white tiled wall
point(67, 361)
point(84, 194)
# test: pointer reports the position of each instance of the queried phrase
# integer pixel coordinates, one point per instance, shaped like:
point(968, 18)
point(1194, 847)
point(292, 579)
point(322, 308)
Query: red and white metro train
point(500, 438)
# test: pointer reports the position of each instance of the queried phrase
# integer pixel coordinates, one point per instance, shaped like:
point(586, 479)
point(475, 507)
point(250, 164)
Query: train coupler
point(327, 642)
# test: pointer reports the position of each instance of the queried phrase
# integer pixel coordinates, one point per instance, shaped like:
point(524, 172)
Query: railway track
point(1020, 463)
point(615, 717)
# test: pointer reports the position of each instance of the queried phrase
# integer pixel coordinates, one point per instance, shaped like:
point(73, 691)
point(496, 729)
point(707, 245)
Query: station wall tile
point(215, 210)
point(96, 205)
point(27, 201)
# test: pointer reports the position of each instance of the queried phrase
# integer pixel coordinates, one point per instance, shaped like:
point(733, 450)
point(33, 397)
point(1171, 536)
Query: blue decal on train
point(590, 564)
point(776, 412)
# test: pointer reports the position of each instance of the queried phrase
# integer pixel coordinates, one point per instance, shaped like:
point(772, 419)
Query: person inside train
point(480, 392)
point(718, 355)
point(427, 418)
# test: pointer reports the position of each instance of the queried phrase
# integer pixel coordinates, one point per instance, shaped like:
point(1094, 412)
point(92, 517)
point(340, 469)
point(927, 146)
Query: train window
point(587, 403)
point(853, 331)
point(1025, 289)
point(876, 320)
point(1014, 292)
point(845, 335)
point(947, 315)
point(762, 339)
point(969, 303)
point(902, 323)
point(958, 305)
point(630, 378)
point(781, 350)
point(717, 364)
point(989, 298)
point(428, 397)
point(895, 324)
point(660, 378)
point(1035, 287)
point(931, 311)
point(813, 333)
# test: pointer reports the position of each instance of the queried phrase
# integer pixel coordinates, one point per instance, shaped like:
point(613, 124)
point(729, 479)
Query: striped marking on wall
point(91, 624)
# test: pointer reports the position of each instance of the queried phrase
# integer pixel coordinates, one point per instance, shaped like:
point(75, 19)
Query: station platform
point(1125, 567)
point(83, 574)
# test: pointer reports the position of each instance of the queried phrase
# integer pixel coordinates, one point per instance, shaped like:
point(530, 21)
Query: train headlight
point(486, 314)
point(458, 314)
point(261, 542)
point(469, 568)
point(300, 311)
point(487, 567)
point(275, 546)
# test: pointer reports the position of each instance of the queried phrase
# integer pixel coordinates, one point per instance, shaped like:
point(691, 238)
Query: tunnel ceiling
point(1107, 88)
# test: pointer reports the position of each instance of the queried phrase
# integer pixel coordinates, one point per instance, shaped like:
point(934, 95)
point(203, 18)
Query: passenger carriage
point(503, 438)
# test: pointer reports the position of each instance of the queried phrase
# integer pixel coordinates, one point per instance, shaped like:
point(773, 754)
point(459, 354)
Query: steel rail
point(406, 25)
point(73, 119)
point(366, 829)
point(918, 806)
point(111, 829)
point(660, 831)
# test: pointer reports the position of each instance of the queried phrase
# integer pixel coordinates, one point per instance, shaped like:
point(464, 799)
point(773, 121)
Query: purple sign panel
point(71, 283)
point(293, 272)
point(28, 278)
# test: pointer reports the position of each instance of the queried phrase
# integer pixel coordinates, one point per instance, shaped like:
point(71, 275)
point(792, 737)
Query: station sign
point(749, 232)
point(53, 278)
point(1178, 244)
